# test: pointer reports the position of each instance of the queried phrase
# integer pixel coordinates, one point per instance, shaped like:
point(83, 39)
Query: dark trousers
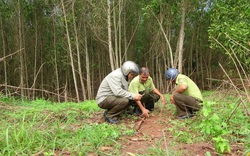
point(148, 100)
point(186, 104)
point(115, 106)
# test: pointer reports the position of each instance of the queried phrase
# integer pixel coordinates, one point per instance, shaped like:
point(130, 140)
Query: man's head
point(171, 74)
point(143, 74)
point(130, 69)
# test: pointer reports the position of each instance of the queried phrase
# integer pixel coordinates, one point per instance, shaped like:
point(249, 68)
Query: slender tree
point(78, 53)
point(20, 46)
point(181, 36)
point(4, 54)
point(70, 52)
point(111, 59)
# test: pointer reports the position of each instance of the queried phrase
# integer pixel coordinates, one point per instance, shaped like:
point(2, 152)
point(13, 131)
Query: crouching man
point(186, 96)
point(143, 84)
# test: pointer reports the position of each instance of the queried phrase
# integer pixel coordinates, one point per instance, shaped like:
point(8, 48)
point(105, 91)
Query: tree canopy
point(230, 23)
point(62, 49)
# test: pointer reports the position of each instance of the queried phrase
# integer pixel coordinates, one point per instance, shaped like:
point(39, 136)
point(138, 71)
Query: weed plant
point(157, 150)
point(42, 127)
point(215, 123)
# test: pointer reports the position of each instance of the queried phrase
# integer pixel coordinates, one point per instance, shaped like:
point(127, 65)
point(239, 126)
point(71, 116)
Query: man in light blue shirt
point(113, 92)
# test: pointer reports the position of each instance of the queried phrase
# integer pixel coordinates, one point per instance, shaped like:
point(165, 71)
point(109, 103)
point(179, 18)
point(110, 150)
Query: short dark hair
point(144, 70)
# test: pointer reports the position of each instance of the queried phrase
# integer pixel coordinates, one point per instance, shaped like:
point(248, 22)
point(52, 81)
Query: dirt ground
point(154, 133)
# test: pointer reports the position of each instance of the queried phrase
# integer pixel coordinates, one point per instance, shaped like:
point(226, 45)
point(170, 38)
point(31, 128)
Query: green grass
point(215, 123)
point(44, 127)
point(30, 127)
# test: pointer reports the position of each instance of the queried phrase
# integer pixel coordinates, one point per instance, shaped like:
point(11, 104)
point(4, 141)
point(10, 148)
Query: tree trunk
point(181, 36)
point(197, 55)
point(209, 70)
point(55, 62)
point(4, 54)
point(35, 58)
point(111, 59)
point(78, 53)
point(125, 37)
point(120, 32)
point(87, 59)
point(70, 52)
point(20, 45)
point(167, 41)
point(116, 64)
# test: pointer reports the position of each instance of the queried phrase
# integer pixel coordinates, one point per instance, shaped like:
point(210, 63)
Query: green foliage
point(213, 125)
point(88, 105)
point(157, 150)
point(183, 136)
point(6, 99)
point(208, 126)
point(29, 127)
point(230, 24)
point(208, 154)
point(180, 133)
point(247, 152)
point(221, 144)
point(98, 135)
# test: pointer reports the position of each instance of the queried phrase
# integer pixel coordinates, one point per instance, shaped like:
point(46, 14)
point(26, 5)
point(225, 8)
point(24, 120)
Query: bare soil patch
point(154, 133)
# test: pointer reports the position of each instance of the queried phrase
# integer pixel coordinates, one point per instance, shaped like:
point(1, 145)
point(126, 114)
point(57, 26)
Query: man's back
point(192, 88)
point(113, 84)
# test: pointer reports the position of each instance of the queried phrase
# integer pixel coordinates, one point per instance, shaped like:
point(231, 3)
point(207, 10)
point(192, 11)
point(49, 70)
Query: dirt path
point(154, 134)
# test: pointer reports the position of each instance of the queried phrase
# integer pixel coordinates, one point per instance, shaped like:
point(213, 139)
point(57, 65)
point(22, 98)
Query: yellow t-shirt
point(192, 88)
point(135, 86)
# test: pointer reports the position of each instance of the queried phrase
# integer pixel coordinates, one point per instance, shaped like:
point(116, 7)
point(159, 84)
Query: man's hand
point(145, 112)
point(137, 97)
point(163, 101)
point(172, 99)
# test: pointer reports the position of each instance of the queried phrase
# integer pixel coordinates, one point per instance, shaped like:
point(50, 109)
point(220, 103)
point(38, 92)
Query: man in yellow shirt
point(143, 84)
point(186, 96)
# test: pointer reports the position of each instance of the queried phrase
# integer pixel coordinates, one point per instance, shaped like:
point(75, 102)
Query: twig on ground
point(165, 141)
point(138, 126)
point(231, 114)
point(240, 96)
point(39, 153)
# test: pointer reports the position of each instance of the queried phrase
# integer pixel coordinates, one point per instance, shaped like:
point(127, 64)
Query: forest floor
point(155, 134)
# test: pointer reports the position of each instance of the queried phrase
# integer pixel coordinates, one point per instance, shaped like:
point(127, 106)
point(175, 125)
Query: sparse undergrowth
point(218, 122)
point(41, 127)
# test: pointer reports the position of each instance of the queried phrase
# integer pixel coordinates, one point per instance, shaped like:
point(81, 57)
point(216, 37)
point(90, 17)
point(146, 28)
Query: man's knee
point(156, 97)
point(177, 96)
point(112, 101)
point(125, 100)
